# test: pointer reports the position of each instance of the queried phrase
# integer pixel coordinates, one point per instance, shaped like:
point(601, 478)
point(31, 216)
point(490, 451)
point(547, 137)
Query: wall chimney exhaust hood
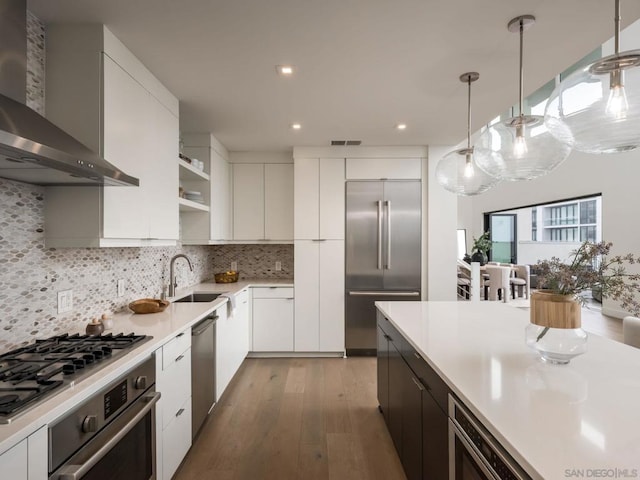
point(32, 149)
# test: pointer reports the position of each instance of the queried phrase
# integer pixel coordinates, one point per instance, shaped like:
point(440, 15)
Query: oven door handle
point(76, 472)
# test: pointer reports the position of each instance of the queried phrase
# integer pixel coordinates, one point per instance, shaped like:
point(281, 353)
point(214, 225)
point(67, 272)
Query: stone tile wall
point(35, 63)
point(255, 261)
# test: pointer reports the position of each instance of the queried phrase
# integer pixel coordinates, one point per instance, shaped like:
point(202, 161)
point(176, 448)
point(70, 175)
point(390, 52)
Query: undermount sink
point(199, 297)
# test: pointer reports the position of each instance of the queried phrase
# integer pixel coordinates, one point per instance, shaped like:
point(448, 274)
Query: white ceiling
point(362, 65)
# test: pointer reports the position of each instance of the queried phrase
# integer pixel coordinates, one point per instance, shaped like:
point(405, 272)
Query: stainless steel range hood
point(32, 149)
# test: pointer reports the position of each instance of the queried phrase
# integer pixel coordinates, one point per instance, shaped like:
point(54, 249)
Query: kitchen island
point(576, 420)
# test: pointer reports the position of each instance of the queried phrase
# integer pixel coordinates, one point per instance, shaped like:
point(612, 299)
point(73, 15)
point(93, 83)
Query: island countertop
point(557, 421)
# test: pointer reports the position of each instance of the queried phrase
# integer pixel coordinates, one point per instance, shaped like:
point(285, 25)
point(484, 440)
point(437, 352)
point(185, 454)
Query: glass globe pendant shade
point(458, 172)
point(597, 109)
point(525, 149)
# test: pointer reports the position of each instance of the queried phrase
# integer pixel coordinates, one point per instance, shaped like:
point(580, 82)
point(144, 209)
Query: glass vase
point(555, 329)
point(556, 345)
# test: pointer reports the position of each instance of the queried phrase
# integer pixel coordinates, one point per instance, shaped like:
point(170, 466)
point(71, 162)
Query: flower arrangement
point(593, 268)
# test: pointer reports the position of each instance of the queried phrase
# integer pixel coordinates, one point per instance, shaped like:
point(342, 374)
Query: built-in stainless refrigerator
point(382, 254)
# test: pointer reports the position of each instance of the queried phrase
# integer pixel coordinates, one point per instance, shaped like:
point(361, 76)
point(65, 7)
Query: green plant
point(482, 244)
point(592, 268)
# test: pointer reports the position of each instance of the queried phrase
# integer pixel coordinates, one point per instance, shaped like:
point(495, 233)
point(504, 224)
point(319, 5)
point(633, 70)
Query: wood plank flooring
point(296, 418)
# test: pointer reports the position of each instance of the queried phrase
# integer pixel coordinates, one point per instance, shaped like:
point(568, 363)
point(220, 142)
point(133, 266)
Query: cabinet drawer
point(175, 386)
point(175, 347)
point(273, 292)
point(242, 298)
point(176, 439)
point(438, 389)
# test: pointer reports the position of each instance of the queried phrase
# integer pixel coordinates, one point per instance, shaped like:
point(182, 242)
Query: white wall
point(440, 232)
point(615, 176)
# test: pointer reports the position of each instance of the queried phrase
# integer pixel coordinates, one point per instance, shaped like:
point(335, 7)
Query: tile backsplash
point(31, 275)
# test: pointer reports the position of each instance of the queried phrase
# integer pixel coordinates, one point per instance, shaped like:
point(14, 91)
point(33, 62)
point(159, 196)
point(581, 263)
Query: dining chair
point(521, 279)
point(497, 287)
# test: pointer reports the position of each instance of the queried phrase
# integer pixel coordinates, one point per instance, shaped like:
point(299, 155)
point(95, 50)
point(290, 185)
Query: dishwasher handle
point(203, 326)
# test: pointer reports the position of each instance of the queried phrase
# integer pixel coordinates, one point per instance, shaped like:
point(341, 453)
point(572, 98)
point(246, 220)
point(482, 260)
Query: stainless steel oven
point(474, 454)
point(112, 434)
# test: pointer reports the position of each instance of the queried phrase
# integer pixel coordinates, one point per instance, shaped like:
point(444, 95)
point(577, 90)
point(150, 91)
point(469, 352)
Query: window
point(588, 212)
point(564, 234)
point(562, 215)
point(534, 224)
point(588, 234)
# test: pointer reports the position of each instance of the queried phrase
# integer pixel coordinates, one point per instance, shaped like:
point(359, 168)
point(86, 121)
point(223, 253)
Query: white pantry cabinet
point(26, 460)
point(101, 94)
point(173, 411)
point(224, 351)
point(319, 300)
point(262, 201)
point(273, 328)
point(319, 198)
point(211, 225)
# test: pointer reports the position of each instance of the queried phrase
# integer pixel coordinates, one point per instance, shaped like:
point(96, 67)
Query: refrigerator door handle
point(379, 202)
point(361, 293)
point(388, 203)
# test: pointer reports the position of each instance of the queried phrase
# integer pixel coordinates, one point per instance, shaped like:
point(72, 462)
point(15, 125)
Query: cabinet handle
point(179, 358)
point(289, 298)
point(418, 384)
point(388, 337)
point(179, 335)
point(180, 412)
point(319, 240)
point(417, 355)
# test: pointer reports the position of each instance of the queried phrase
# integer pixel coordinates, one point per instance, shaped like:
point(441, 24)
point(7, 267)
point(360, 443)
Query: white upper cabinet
point(384, 168)
point(263, 202)
point(100, 93)
point(319, 198)
point(248, 201)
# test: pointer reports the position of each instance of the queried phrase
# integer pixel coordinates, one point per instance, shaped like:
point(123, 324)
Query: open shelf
point(190, 173)
point(189, 206)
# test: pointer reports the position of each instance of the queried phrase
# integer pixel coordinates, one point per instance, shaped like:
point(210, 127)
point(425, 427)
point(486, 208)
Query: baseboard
point(295, 355)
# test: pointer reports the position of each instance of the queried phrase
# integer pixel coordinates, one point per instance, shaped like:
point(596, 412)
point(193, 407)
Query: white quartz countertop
point(161, 326)
point(555, 420)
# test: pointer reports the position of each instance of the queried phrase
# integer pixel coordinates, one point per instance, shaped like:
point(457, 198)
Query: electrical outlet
point(278, 266)
point(65, 301)
point(122, 284)
point(234, 266)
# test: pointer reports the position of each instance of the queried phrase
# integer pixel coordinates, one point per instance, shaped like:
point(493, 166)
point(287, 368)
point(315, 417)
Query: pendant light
point(457, 171)
point(597, 109)
point(527, 149)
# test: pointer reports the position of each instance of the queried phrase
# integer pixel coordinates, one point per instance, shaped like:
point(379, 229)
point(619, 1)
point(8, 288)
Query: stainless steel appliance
point(32, 149)
point(112, 434)
point(39, 370)
point(474, 454)
point(382, 254)
point(203, 371)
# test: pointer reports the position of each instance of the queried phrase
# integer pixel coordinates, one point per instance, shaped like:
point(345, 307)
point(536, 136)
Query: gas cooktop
point(32, 373)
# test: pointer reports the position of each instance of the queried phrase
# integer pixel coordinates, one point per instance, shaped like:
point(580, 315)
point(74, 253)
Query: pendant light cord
point(522, 67)
point(469, 113)
point(616, 21)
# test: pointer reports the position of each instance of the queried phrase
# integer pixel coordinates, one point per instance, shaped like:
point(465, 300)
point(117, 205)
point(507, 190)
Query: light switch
point(234, 266)
point(278, 266)
point(121, 287)
point(65, 301)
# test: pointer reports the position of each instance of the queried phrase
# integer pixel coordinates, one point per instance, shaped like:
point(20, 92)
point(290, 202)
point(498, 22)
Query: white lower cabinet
point(319, 303)
point(173, 413)
point(14, 462)
point(26, 460)
point(224, 351)
point(273, 329)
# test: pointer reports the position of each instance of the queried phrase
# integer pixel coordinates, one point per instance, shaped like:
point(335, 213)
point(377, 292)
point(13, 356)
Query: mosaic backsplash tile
point(31, 275)
point(255, 261)
point(35, 63)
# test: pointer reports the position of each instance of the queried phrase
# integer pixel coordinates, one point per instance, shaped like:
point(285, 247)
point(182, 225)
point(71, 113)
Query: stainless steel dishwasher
point(203, 371)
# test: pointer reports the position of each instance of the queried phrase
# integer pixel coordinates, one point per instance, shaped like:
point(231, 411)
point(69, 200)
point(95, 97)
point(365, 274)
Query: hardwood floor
point(307, 418)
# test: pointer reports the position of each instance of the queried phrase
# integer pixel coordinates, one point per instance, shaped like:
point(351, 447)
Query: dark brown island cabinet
point(413, 400)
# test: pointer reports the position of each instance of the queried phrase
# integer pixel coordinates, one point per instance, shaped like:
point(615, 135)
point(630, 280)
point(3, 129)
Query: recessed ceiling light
point(401, 126)
point(285, 70)
point(296, 126)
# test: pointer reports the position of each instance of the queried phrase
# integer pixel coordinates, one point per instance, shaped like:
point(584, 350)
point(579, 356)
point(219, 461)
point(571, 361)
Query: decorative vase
point(555, 330)
point(479, 257)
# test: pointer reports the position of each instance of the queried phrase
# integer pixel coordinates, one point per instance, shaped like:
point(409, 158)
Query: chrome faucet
point(173, 281)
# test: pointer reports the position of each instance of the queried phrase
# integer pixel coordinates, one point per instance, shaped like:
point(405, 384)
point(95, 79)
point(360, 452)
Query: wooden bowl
point(226, 277)
point(148, 305)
